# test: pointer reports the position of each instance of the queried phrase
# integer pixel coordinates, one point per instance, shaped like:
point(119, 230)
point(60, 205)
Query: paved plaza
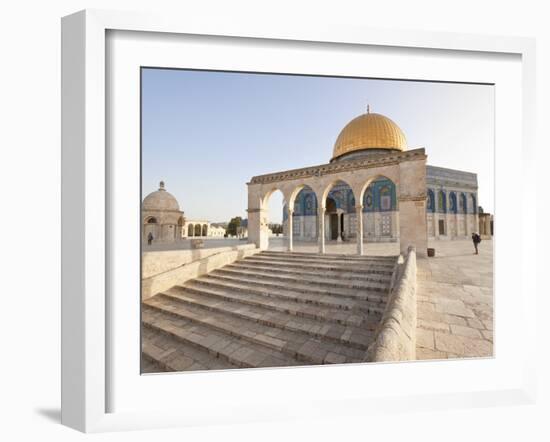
point(455, 301)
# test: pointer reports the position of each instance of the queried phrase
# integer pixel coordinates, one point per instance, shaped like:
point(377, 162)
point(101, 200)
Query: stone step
point(275, 330)
point(372, 268)
point(293, 285)
point(149, 365)
point(342, 334)
point(226, 347)
point(364, 302)
point(291, 270)
point(320, 313)
point(330, 256)
point(166, 353)
point(316, 280)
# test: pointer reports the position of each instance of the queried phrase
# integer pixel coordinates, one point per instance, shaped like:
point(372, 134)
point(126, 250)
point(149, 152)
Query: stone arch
point(296, 191)
point(326, 190)
point(365, 185)
point(303, 200)
point(204, 230)
point(190, 230)
point(151, 220)
point(197, 231)
point(266, 196)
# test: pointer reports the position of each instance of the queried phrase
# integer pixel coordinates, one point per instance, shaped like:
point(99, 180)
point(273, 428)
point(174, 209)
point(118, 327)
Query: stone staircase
point(271, 309)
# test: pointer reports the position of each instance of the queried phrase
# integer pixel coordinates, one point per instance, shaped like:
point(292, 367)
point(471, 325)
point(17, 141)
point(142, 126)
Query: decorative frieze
point(340, 166)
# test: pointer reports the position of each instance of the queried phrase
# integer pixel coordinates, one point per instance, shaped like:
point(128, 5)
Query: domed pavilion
point(162, 217)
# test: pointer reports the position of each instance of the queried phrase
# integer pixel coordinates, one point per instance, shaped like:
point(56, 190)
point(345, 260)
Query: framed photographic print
point(268, 223)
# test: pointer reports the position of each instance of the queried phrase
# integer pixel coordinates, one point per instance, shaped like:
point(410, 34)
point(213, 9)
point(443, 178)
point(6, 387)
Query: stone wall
point(396, 335)
point(165, 269)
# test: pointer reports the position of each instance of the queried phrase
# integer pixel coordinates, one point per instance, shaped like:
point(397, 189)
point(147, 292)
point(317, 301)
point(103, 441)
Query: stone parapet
point(163, 270)
point(396, 336)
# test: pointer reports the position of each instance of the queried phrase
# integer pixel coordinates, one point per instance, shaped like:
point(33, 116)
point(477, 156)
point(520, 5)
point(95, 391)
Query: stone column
point(256, 233)
point(321, 219)
point(290, 229)
point(339, 227)
point(359, 216)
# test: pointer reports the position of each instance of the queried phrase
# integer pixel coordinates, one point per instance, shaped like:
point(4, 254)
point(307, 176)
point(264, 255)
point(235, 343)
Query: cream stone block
point(166, 269)
point(412, 226)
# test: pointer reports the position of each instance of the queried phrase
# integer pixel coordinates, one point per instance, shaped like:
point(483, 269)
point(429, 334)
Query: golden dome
point(369, 131)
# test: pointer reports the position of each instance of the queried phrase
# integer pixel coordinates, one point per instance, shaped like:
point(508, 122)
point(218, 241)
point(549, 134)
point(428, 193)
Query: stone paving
point(455, 301)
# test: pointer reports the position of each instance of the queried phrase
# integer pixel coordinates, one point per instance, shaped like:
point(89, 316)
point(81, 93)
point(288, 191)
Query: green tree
point(276, 228)
point(233, 225)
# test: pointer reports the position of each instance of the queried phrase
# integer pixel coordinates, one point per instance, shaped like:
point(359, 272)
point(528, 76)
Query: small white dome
point(160, 200)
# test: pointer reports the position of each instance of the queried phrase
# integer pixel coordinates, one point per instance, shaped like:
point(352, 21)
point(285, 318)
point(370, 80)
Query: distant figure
point(149, 238)
point(476, 239)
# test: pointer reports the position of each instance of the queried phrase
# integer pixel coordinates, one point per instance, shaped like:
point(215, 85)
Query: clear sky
point(207, 133)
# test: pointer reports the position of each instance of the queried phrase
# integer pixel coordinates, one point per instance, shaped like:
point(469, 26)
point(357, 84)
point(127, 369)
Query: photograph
point(303, 220)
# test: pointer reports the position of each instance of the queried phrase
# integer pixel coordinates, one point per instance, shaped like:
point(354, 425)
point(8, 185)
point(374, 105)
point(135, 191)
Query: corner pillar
point(412, 225)
point(257, 228)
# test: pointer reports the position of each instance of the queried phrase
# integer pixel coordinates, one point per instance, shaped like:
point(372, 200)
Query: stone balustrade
point(396, 336)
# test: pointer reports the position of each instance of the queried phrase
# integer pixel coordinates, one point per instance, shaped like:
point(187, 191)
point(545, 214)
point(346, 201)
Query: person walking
point(476, 240)
point(149, 238)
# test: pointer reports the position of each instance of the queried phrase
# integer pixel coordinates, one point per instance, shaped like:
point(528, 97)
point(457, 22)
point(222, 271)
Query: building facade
point(451, 209)
point(389, 195)
point(373, 187)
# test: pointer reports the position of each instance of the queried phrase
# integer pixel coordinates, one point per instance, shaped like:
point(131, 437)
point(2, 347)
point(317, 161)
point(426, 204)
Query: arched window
point(368, 202)
point(197, 230)
point(190, 230)
point(474, 204)
point(442, 202)
point(453, 202)
point(385, 199)
point(204, 230)
point(380, 196)
point(463, 203)
point(430, 201)
point(310, 204)
point(152, 220)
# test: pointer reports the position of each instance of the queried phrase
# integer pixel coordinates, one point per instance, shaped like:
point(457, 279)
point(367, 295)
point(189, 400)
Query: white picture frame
point(87, 198)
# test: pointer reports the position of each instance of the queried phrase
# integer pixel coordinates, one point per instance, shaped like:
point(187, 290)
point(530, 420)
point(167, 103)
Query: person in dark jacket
point(476, 240)
point(149, 238)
